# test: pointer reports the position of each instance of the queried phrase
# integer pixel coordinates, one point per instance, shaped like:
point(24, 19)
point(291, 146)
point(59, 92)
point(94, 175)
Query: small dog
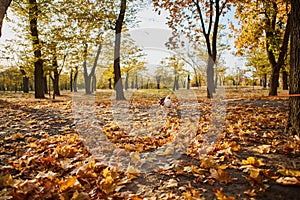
point(165, 104)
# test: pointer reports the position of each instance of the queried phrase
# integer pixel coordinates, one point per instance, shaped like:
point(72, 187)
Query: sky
point(151, 34)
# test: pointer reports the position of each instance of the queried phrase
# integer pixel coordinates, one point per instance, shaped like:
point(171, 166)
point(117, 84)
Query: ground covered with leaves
point(48, 152)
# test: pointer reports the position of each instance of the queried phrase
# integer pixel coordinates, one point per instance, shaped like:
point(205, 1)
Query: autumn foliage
point(44, 157)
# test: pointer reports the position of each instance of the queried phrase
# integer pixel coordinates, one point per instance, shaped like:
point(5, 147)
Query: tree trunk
point(38, 63)
point(4, 4)
point(71, 80)
point(188, 82)
point(126, 81)
point(274, 80)
point(265, 81)
point(177, 83)
point(277, 65)
point(45, 85)
point(210, 78)
point(87, 84)
point(158, 78)
point(25, 81)
point(55, 79)
point(136, 82)
point(174, 84)
point(94, 83)
point(56, 83)
point(117, 71)
point(216, 76)
point(109, 84)
point(285, 80)
point(293, 125)
point(88, 77)
point(132, 84)
point(75, 79)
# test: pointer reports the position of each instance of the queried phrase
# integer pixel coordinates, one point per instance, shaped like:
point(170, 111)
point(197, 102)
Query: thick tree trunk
point(293, 125)
point(117, 71)
point(56, 83)
point(216, 76)
point(126, 81)
point(274, 80)
point(4, 4)
point(45, 85)
point(38, 63)
point(210, 78)
point(285, 85)
point(277, 65)
point(87, 84)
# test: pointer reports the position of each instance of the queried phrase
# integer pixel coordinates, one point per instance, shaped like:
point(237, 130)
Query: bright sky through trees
point(152, 33)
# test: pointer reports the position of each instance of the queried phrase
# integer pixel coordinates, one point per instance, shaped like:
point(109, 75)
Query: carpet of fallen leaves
point(42, 156)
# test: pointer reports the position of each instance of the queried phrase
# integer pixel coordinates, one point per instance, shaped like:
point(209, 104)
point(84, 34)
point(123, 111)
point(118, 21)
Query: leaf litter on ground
point(43, 156)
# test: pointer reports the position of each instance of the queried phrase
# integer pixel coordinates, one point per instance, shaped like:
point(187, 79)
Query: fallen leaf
point(288, 181)
point(289, 172)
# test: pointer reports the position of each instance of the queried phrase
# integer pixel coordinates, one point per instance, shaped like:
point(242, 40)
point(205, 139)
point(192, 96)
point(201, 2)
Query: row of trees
point(65, 29)
point(264, 27)
point(53, 35)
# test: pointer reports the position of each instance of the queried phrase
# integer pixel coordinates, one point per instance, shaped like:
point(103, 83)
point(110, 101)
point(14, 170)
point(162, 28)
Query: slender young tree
point(197, 19)
point(38, 63)
point(88, 77)
point(117, 71)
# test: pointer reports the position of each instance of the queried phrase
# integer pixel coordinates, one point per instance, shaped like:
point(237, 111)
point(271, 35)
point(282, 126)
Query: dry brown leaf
point(288, 181)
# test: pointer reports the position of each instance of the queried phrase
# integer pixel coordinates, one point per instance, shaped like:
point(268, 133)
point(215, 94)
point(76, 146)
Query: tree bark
point(45, 85)
point(265, 81)
point(276, 65)
point(55, 81)
point(109, 84)
point(285, 85)
point(188, 82)
point(293, 125)
point(136, 82)
point(88, 77)
point(4, 4)
point(94, 83)
point(38, 64)
point(25, 81)
point(126, 81)
point(75, 79)
point(71, 80)
point(117, 71)
point(274, 80)
point(158, 79)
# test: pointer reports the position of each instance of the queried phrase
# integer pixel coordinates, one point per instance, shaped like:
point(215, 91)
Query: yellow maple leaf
point(67, 184)
point(252, 161)
point(289, 172)
point(220, 196)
